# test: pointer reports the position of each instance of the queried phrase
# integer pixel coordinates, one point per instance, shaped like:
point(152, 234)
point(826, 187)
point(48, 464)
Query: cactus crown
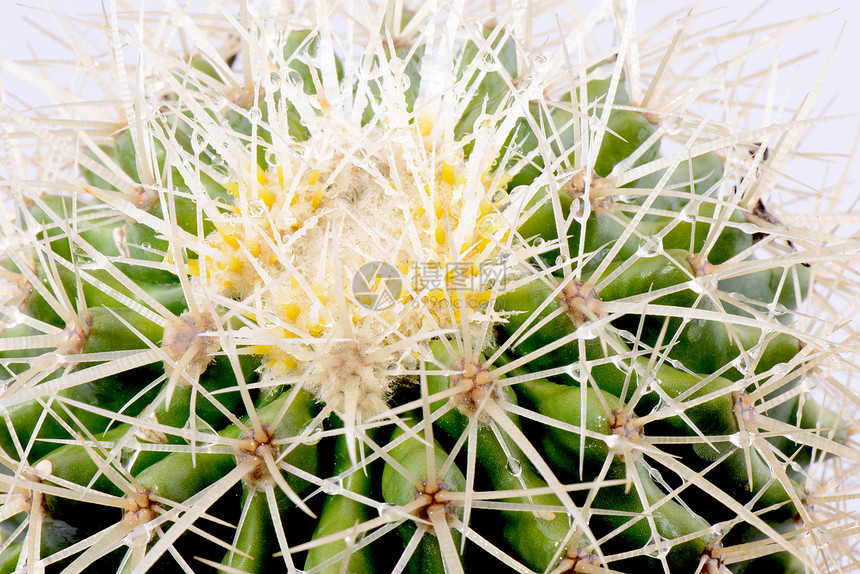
point(372, 289)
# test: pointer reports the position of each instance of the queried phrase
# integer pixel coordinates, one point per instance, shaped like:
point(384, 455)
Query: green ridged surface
point(632, 395)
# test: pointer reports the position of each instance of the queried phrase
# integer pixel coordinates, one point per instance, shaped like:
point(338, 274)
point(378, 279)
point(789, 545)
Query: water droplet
point(373, 71)
point(145, 246)
point(453, 155)
point(315, 436)
point(255, 115)
point(271, 157)
point(256, 208)
point(331, 191)
point(603, 72)
point(489, 63)
point(646, 249)
point(749, 228)
point(541, 61)
point(703, 285)
point(694, 330)
point(331, 487)
point(560, 260)
point(588, 331)
point(404, 81)
point(129, 456)
point(13, 318)
point(395, 65)
point(347, 540)
point(573, 371)
point(677, 364)
point(324, 152)
point(198, 142)
point(138, 538)
point(483, 121)
point(219, 164)
point(776, 309)
point(276, 80)
point(427, 223)
point(781, 370)
point(81, 257)
point(672, 126)
point(401, 202)
point(486, 226)
point(687, 215)
point(537, 241)
point(266, 322)
point(515, 468)
point(384, 510)
point(294, 78)
point(735, 439)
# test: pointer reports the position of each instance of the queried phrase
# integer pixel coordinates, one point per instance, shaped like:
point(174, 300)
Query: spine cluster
point(386, 291)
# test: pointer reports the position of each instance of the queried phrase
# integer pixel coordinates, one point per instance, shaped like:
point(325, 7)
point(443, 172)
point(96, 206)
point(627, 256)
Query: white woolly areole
point(312, 223)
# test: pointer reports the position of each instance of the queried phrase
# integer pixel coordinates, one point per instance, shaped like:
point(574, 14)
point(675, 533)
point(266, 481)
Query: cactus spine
point(382, 289)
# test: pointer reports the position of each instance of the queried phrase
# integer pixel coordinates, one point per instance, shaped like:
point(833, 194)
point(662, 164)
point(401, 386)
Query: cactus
point(385, 289)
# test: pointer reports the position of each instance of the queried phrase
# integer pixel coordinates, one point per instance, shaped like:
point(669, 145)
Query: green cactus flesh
point(443, 307)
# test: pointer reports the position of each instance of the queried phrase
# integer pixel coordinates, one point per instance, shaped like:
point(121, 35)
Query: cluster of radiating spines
point(180, 349)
